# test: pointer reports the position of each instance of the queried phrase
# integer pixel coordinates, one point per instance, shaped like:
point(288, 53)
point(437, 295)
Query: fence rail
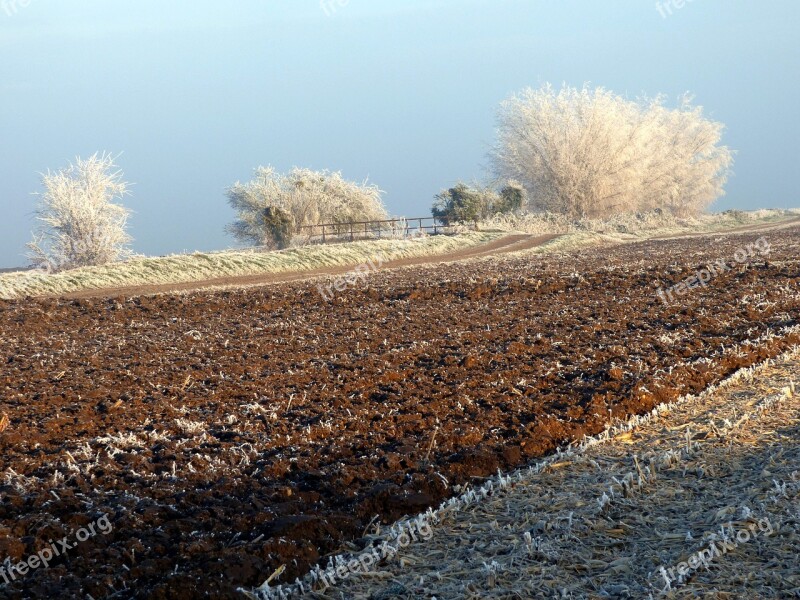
point(388, 228)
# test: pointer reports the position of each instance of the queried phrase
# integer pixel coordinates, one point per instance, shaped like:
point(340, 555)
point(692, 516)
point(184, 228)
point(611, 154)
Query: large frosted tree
point(592, 153)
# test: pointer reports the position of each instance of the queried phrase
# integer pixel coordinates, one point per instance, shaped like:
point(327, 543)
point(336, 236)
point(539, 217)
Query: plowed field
point(226, 434)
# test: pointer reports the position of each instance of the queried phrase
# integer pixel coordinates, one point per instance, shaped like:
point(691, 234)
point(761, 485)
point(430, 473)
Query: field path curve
point(754, 228)
point(503, 245)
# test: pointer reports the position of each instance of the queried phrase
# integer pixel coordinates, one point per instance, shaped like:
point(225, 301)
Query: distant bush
point(272, 207)
point(591, 154)
point(462, 203)
point(513, 198)
point(80, 223)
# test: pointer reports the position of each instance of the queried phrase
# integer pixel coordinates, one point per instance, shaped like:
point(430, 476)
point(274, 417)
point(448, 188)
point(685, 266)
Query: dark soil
point(228, 434)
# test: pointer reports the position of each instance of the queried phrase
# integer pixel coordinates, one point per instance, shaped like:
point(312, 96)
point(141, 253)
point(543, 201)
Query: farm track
point(227, 434)
point(758, 227)
point(508, 243)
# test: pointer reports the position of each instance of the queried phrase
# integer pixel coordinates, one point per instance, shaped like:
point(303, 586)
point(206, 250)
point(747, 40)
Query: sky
point(194, 95)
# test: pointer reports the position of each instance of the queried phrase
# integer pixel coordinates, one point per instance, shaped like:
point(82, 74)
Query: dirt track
point(506, 244)
point(758, 227)
point(226, 434)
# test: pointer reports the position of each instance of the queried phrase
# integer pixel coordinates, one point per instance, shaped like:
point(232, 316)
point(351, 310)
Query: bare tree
point(591, 153)
point(302, 196)
point(80, 224)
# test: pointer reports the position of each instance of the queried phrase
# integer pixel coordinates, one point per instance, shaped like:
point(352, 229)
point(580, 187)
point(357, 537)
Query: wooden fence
point(389, 228)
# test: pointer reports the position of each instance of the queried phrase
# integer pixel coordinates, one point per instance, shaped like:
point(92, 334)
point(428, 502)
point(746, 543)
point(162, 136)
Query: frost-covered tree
point(592, 153)
point(464, 203)
point(513, 198)
point(272, 203)
point(80, 222)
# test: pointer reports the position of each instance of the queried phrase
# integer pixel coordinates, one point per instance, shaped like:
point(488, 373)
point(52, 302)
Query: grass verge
point(579, 234)
point(185, 268)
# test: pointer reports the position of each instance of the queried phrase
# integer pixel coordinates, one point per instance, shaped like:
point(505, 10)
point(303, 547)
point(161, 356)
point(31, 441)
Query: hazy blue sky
point(404, 92)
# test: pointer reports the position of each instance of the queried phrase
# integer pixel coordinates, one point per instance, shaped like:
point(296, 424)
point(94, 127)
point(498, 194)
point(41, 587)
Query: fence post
point(351, 232)
point(323, 234)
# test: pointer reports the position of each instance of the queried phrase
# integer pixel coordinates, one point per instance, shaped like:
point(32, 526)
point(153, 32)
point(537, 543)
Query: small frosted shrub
point(80, 222)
